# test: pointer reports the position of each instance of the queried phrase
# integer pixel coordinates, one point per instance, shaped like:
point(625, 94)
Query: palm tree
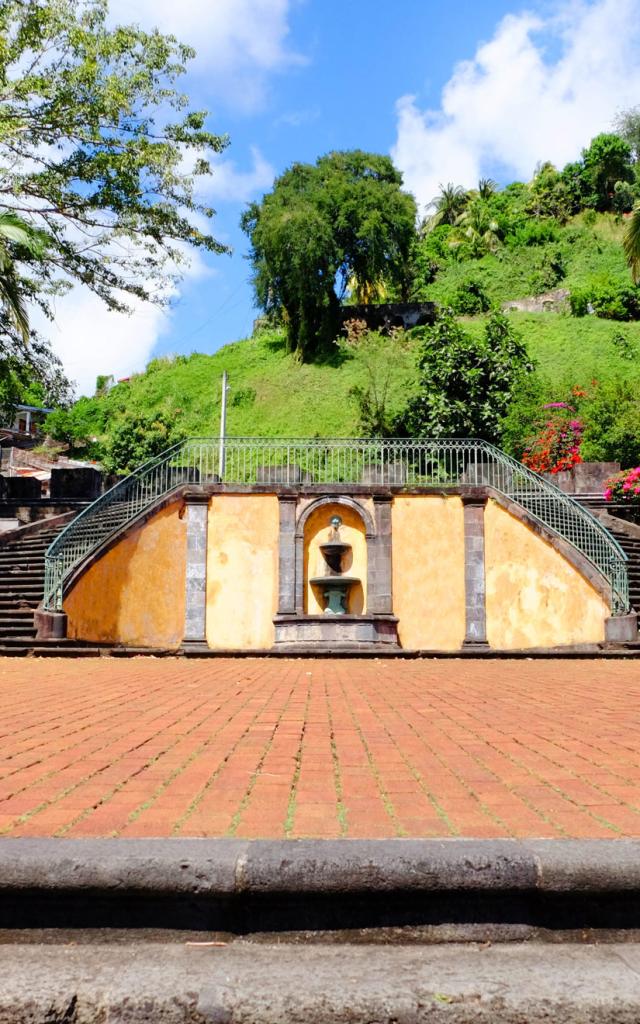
point(17, 236)
point(479, 228)
point(487, 187)
point(448, 205)
point(631, 243)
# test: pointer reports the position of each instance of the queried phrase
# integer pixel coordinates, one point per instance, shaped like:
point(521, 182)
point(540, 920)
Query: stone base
point(475, 645)
point(192, 646)
point(50, 625)
point(621, 629)
point(345, 631)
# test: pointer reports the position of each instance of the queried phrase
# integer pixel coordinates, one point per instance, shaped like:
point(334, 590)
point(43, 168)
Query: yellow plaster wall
point(242, 570)
point(135, 593)
point(354, 562)
point(428, 571)
point(535, 597)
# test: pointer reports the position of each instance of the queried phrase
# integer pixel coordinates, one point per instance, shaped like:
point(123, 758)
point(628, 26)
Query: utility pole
point(223, 425)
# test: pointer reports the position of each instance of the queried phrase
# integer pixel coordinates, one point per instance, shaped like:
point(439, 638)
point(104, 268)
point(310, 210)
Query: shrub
point(624, 486)
point(466, 383)
point(612, 424)
point(470, 297)
point(606, 298)
point(625, 347)
point(548, 271)
point(535, 232)
point(555, 446)
point(137, 438)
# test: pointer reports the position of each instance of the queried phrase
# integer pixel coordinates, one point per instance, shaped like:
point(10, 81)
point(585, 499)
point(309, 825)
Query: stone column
point(195, 626)
point(287, 555)
point(379, 580)
point(474, 571)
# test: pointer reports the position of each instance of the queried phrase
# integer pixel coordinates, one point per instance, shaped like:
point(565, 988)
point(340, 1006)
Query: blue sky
point(452, 91)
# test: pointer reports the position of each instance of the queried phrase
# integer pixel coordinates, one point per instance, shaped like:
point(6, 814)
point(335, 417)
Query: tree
point(28, 373)
point(345, 218)
point(549, 194)
point(487, 187)
point(613, 424)
point(387, 368)
point(466, 382)
point(140, 437)
point(627, 126)
point(479, 228)
point(631, 244)
point(606, 161)
point(448, 205)
point(16, 238)
point(94, 139)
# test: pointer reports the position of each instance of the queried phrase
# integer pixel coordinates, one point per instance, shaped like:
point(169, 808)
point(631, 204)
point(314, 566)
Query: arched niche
point(353, 532)
point(311, 528)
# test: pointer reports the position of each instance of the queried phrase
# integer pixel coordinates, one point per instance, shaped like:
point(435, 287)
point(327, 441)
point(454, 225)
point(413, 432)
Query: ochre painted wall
point(135, 593)
point(535, 597)
point(354, 562)
point(428, 571)
point(242, 571)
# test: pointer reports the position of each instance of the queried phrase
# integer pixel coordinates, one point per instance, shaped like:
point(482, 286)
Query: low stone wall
point(585, 478)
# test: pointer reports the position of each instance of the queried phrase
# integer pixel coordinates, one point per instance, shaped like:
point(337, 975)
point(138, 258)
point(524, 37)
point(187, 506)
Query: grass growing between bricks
point(300, 747)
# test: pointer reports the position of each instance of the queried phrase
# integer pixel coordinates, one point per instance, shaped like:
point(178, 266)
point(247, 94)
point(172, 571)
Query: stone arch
point(341, 499)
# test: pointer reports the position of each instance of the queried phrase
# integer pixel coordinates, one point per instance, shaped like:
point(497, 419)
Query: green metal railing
point(416, 463)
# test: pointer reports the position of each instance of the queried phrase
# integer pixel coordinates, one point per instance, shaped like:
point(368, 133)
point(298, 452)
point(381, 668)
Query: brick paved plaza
point(300, 747)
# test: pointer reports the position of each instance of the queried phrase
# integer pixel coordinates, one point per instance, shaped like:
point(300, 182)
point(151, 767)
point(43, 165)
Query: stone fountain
point(334, 585)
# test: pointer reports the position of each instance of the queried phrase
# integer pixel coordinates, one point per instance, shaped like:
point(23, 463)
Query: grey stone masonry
point(474, 504)
point(287, 555)
point(195, 635)
point(379, 585)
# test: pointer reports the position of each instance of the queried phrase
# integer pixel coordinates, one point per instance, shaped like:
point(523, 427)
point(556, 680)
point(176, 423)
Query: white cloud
point(511, 106)
point(229, 184)
point(89, 339)
point(238, 42)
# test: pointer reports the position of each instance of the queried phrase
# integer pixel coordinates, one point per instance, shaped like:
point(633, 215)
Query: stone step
point(22, 631)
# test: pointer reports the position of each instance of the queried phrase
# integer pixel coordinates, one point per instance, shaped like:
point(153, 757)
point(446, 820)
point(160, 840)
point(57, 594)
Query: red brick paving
point(270, 747)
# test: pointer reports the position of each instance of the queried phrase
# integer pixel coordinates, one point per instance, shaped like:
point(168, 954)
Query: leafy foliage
point(554, 446)
point(388, 366)
point(465, 383)
point(30, 374)
point(345, 218)
point(605, 161)
point(94, 139)
point(608, 298)
point(139, 438)
point(470, 297)
point(613, 423)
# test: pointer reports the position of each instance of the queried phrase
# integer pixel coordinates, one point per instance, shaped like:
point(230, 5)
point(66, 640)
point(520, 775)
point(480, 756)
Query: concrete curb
point(235, 867)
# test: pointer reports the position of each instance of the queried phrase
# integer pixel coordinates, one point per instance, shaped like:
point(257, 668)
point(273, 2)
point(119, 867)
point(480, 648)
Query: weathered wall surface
point(135, 593)
point(428, 571)
point(535, 597)
point(354, 563)
point(242, 571)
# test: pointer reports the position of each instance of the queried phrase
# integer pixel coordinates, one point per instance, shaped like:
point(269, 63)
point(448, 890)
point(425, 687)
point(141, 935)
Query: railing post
point(195, 616)
point(474, 504)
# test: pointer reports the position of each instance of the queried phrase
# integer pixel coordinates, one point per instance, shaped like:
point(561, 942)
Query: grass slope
point(272, 394)
point(587, 251)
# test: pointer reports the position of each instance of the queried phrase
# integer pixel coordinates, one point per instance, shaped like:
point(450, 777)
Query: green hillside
point(272, 393)
point(585, 250)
